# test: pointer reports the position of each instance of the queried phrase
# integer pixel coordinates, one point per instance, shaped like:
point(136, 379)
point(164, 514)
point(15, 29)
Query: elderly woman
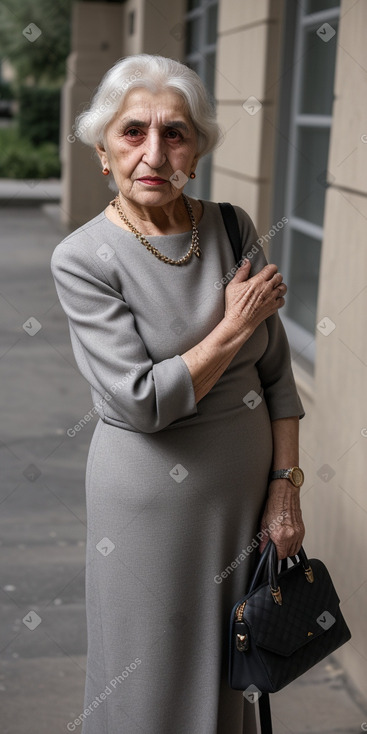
point(197, 409)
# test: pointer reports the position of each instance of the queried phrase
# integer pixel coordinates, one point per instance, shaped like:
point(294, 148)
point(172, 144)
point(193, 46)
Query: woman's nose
point(154, 154)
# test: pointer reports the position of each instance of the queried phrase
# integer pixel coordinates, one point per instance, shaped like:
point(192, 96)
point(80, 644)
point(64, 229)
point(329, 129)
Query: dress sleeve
point(274, 367)
point(109, 351)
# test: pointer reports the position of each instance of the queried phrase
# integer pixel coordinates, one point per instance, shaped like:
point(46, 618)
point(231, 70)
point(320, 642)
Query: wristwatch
point(295, 475)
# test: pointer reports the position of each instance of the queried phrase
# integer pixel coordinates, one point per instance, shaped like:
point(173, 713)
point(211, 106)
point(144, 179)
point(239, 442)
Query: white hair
point(155, 73)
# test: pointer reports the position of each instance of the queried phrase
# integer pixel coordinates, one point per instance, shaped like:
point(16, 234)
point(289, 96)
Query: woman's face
point(151, 139)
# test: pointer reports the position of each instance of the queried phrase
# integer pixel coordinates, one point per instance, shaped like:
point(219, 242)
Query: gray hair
point(154, 73)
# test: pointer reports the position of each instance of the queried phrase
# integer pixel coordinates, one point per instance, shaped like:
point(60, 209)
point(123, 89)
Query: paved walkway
point(42, 510)
point(31, 192)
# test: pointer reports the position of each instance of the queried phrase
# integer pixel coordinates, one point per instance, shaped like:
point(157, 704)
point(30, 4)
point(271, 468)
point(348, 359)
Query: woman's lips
point(152, 181)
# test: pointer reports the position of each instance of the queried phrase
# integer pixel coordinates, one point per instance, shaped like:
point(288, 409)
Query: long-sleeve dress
point(174, 489)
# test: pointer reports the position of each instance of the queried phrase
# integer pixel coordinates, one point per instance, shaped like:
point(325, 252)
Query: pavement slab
point(29, 192)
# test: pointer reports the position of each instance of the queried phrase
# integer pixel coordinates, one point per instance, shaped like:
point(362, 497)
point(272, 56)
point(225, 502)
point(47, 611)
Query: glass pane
point(193, 31)
point(303, 279)
point(314, 6)
point(209, 80)
point(318, 78)
point(311, 165)
point(194, 65)
point(211, 28)
point(192, 4)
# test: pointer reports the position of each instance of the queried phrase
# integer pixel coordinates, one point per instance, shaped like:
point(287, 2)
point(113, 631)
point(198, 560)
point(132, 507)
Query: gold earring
point(192, 174)
point(105, 171)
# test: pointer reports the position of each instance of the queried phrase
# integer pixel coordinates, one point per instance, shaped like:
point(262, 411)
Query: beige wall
point(340, 407)
point(248, 64)
point(335, 399)
point(249, 43)
point(159, 28)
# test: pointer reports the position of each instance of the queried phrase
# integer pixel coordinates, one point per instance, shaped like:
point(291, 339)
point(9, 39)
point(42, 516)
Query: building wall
point(248, 56)
point(248, 65)
point(159, 28)
point(340, 405)
point(333, 435)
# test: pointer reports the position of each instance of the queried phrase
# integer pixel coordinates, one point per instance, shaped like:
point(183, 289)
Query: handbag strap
point(268, 561)
point(267, 565)
point(265, 714)
point(264, 700)
point(232, 228)
point(260, 568)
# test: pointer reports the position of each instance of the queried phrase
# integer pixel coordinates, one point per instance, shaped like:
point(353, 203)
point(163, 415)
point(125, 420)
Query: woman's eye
point(133, 132)
point(173, 134)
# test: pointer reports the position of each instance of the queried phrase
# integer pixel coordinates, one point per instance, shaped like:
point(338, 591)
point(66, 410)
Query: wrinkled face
point(151, 139)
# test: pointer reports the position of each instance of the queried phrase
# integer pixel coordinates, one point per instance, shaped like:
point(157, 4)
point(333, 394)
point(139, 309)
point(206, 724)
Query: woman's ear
point(195, 161)
point(102, 155)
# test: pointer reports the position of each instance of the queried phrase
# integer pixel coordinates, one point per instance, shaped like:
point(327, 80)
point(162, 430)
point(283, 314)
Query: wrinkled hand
point(282, 519)
point(249, 301)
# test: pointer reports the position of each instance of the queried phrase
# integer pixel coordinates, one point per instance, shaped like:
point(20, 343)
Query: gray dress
point(174, 490)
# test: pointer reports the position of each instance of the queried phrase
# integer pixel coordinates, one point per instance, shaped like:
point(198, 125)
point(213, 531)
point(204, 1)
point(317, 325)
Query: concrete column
point(248, 59)
point(158, 28)
point(96, 46)
point(101, 34)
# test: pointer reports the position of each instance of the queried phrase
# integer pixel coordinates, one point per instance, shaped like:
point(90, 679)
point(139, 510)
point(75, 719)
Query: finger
point(263, 544)
point(267, 273)
point(288, 546)
point(242, 273)
point(279, 302)
point(266, 281)
point(295, 549)
point(276, 280)
point(281, 551)
point(280, 291)
point(271, 288)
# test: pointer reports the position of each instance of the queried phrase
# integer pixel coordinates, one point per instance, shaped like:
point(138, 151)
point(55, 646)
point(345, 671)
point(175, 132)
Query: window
point(200, 50)
point(301, 176)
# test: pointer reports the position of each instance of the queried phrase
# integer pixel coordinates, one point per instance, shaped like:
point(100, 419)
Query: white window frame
point(200, 188)
point(302, 342)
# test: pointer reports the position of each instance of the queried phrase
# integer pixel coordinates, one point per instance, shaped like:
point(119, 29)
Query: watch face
point(297, 476)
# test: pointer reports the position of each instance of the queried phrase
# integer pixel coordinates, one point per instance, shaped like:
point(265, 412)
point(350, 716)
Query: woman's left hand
point(282, 519)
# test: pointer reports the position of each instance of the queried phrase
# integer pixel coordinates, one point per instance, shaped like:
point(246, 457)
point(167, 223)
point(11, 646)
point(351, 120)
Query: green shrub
point(39, 114)
point(19, 158)
point(6, 90)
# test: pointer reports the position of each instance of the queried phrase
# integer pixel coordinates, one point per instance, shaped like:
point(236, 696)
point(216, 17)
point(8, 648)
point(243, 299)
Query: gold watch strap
point(289, 474)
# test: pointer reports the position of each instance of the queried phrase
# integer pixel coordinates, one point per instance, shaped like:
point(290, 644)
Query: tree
point(35, 39)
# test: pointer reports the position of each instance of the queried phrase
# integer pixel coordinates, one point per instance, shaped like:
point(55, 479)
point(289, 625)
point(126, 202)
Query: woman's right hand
point(248, 301)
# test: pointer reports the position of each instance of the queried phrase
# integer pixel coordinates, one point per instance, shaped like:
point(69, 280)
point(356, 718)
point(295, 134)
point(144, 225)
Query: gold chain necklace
point(194, 247)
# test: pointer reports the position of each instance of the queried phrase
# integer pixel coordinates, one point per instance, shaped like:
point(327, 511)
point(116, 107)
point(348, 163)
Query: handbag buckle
point(242, 643)
point(309, 575)
point(277, 595)
point(239, 611)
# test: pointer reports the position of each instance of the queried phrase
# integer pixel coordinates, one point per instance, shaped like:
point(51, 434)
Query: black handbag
point(282, 627)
